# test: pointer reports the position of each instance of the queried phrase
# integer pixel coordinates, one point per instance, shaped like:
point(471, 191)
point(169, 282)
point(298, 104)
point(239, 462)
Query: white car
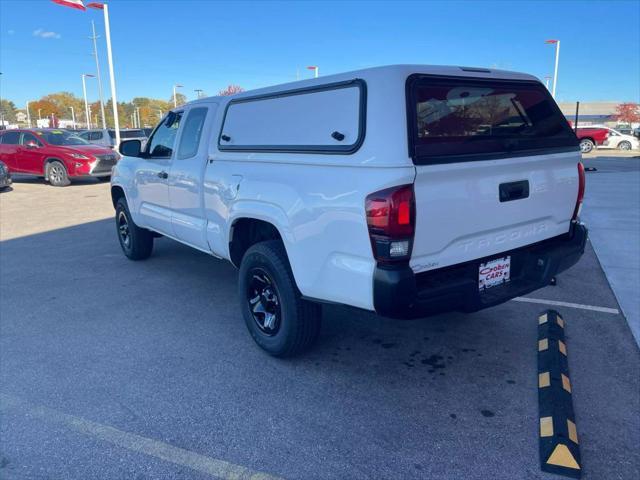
point(620, 141)
point(615, 139)
point(406, 190)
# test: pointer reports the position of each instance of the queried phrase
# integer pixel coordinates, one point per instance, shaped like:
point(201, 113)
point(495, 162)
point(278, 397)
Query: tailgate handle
point(514, 190)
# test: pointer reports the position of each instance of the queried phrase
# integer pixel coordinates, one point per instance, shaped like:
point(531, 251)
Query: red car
point(56, 155)
point(590, 137)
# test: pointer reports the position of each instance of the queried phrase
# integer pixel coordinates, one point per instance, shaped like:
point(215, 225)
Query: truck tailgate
point(462, 215)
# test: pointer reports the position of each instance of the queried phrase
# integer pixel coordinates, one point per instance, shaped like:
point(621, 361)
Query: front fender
point(122, 176)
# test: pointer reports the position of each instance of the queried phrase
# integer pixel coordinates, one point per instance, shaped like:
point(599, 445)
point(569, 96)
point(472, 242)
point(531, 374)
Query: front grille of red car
point(105, 163)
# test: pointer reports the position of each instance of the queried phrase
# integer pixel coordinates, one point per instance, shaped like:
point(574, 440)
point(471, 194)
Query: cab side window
point(11, 138)
point(95, 135)
point(191, 133)
point(28, 138)
point(161, 144)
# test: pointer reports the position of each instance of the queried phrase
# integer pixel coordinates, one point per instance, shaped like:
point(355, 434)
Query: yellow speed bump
point(562, 347)
point(562, 457)
point(544, 380)
point(543, 344)
point(559, 449)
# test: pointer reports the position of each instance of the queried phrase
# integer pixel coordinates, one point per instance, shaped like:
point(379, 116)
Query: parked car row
point(107, 137)
point(604, 137)
point(56, 155)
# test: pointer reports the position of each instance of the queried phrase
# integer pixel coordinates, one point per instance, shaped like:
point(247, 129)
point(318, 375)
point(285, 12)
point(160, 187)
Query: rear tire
point(57, 174)
point(586, 145)
point(136, 242)
point(624, 145)
point(279, 320)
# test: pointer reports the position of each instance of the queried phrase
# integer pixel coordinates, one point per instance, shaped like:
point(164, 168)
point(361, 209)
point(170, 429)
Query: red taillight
point(581, 187)
point(391, 222)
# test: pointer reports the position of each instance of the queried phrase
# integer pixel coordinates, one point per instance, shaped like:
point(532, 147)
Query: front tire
point(586, 145)
point(624, 145)
point(279, 320)
point(136, 242)
point(57, 174)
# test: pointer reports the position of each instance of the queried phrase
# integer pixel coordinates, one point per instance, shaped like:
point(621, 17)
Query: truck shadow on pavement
point(161, 344)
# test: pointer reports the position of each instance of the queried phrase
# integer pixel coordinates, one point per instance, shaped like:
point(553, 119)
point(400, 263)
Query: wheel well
point(588, 138)
point(246, 232)
point(48, 161)
point(116, 194)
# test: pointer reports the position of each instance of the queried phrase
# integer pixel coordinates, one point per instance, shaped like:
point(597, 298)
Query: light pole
point(39, 117)
point(28, 114)
point(86, 104)
point(138, 117)
point(175, 99)
point(315, 69)
point(546, 81)
point(555, 71)
point(198, 92)
point(160, 113)
point(95, 54)
point(73, 117)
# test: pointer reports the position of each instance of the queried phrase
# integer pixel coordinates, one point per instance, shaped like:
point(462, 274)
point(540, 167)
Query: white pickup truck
point(407, 190)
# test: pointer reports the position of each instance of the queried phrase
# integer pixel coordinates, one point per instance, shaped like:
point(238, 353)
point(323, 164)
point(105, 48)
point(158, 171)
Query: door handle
point(163, 174)
point(514, 190)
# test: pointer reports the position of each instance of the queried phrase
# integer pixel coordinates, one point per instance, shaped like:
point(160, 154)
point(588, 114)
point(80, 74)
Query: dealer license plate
point(495, 272)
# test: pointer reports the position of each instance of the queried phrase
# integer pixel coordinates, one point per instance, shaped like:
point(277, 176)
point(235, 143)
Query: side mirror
point(130, 148)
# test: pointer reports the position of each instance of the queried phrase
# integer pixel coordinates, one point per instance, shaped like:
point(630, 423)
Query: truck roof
point(400, 72)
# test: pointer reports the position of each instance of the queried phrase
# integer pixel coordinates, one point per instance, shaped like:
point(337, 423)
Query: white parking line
point(542, 301)
point(164, 451)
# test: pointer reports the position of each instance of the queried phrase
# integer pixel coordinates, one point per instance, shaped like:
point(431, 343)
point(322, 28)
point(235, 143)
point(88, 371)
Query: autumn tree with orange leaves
point(628, 113)
point(230, 90)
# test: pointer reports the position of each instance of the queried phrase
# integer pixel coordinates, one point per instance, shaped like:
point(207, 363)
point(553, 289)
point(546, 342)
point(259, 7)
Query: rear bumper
point(399, 293)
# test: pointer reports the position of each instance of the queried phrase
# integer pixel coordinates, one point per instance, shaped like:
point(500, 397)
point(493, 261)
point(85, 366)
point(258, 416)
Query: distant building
point(591, 113)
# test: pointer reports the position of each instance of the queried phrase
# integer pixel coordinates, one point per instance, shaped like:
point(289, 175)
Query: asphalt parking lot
point(123, 370)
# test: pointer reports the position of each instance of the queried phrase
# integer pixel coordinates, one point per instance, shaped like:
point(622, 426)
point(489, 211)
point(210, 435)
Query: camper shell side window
point(327, 119)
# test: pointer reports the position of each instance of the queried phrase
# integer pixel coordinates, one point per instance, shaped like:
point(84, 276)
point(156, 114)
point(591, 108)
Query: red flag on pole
point(71, 3)
point(551, 41)
point(96, 5)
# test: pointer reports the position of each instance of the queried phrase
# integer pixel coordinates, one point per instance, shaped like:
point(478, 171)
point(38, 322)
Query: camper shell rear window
point(321, 119)
point(454, 119)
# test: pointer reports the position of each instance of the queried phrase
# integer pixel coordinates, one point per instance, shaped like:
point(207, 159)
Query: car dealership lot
point(115, 369)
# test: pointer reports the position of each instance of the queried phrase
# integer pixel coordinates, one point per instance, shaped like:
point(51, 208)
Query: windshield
point(60, 137)
point(480, 117)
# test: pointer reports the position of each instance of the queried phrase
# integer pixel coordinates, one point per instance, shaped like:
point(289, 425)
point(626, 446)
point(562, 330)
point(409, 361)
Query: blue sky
point(208, 44)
